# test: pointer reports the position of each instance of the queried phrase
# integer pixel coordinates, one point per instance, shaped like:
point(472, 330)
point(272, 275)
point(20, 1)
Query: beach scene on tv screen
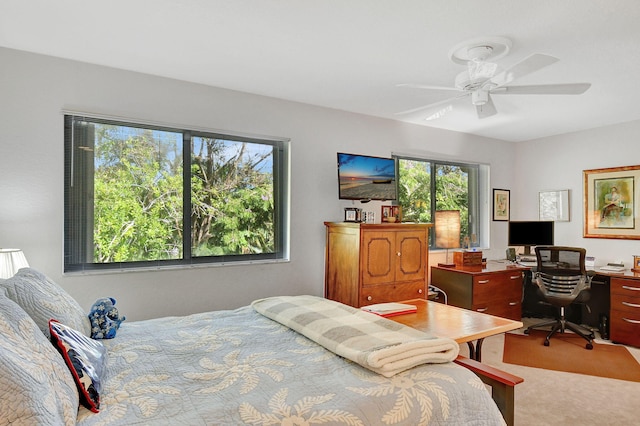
point(364, 177)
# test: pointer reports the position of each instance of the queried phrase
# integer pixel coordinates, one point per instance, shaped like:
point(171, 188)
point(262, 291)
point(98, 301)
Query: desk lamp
point(447, 232)
point(11, 260)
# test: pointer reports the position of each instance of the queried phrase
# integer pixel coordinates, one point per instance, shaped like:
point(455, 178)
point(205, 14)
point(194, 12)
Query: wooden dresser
point(494, 289)
point(625, 311)
point(375, 263)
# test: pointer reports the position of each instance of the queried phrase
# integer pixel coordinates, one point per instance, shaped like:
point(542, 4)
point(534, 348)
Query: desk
point(615, 295)
point(494, 289)
point(461, 325)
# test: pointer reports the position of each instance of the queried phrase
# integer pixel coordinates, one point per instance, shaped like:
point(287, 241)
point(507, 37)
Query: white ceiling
point(350, 54)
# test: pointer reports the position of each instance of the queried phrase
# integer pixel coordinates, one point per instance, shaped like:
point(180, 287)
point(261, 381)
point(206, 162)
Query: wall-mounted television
point(530, 233)
point(363, 177)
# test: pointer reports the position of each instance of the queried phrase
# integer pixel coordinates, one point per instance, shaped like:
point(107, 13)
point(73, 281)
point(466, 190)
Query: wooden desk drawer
point(487, 288)
point(391, 292)
point(625, 287)
point(625, 303)
point(625, 328)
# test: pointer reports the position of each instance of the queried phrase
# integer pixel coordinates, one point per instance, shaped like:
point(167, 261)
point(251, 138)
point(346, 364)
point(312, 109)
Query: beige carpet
point(567, 352)
point(548, 397)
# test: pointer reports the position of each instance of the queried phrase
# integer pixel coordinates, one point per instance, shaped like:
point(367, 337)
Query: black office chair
point(562, 279)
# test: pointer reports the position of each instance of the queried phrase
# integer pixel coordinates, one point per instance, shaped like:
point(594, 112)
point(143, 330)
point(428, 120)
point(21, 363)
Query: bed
point(231, 367)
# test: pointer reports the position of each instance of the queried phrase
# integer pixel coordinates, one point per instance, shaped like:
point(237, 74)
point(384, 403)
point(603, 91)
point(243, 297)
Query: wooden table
point(470, 327)
point(461, 325)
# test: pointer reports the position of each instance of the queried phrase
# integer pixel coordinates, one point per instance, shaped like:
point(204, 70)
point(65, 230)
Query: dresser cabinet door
point(378, 260)
point(393, 256)
point(411, 252)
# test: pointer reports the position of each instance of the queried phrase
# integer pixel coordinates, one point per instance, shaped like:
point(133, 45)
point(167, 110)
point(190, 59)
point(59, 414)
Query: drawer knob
point(482, 309)
point(626, 287)
point(631, 321)
point(419, 291)
point(369, 298)
point(631, 305)
point(398, 253)
point(513, 303)
point(515, 277)
point(483, 281)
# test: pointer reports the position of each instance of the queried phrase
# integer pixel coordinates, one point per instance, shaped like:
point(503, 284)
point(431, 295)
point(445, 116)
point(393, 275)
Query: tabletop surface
point(461, 325)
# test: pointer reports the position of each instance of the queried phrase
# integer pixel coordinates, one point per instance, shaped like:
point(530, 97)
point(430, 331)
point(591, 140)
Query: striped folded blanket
point(374, 342)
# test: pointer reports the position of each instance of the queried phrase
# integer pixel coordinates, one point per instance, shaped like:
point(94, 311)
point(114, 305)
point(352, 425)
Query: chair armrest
point(502, 385)
point(484, 370)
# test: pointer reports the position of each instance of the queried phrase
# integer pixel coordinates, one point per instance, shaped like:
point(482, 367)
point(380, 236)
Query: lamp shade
point(448, 228)
point(11, 260)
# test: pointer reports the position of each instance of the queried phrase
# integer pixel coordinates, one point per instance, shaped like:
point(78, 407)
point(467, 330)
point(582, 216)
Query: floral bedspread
point(240, 368)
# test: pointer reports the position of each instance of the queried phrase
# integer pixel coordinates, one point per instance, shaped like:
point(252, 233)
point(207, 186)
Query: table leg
point(475, 350)
point(472, 350)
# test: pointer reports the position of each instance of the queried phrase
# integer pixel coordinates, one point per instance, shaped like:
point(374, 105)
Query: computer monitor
point(530, 234)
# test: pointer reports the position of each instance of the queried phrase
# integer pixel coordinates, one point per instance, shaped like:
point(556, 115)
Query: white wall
point(33, 91)
point(556, 163)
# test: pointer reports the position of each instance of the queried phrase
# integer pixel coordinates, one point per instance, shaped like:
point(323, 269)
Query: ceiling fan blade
point(427, 87)
point(526, 66)
point(486, 110)
point(433, 105)
point(544, 89)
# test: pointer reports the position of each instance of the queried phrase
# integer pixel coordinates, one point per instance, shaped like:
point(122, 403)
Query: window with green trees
point(425, 186)
point(138, 195)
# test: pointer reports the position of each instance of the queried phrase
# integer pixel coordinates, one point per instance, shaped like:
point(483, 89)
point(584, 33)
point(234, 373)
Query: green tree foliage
point(138, 196)
point(232, 198)
point(415, 192)
point(138, 205)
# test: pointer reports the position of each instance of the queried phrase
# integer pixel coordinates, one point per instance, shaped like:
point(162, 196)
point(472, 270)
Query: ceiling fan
point(482, 80)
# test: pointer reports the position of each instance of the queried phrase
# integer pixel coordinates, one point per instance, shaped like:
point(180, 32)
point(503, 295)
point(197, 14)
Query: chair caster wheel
point(526, 331)
point(589, 346)
point(546, 343)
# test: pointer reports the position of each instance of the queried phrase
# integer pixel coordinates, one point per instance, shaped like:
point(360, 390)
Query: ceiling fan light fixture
point(481, 70)
point(479, 97)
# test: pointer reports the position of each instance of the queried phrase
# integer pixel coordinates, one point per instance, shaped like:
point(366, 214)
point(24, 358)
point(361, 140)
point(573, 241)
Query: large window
point(425, 186)
point(139, 195)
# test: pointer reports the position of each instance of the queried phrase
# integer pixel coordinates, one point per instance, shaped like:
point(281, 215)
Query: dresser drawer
point(370, 295)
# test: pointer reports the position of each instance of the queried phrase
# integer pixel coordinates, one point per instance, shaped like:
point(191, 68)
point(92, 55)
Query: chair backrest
point(561, 273)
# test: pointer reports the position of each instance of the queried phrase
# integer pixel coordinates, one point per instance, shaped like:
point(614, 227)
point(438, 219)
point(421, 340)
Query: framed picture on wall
point(554, 205)
point(610, 197)
point(501, 204)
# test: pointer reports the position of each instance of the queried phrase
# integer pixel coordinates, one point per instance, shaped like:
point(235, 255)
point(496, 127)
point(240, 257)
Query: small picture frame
point(391, 214)
point(501, 204)
point(636, 263)
point(352, 214)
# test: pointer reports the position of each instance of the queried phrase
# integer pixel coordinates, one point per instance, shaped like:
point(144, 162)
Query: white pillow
point(43, 300)
point(36, 387)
